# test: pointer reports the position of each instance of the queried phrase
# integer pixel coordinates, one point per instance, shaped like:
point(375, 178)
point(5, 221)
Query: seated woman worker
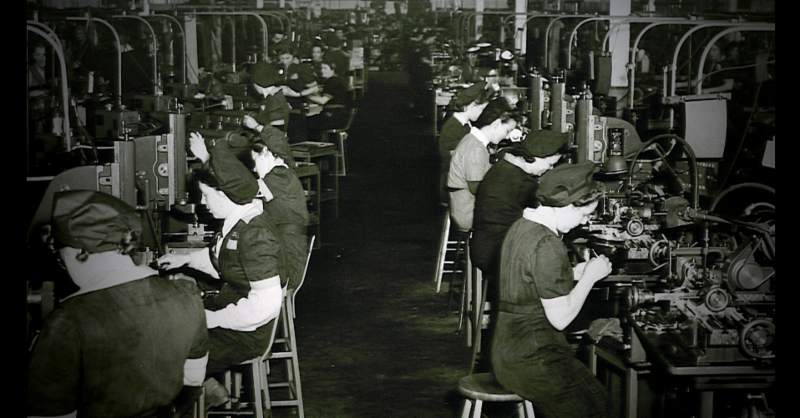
point(128, 343)
point(467, 107)
point(247, 257)
point(537, 300)
point(283, 194)
point(471, 158)
point(273, 107)
point(334, 99)
point(507, 189)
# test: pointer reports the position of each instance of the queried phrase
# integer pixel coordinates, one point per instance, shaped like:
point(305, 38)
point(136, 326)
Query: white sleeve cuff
point(262, 304)
point(194, 371)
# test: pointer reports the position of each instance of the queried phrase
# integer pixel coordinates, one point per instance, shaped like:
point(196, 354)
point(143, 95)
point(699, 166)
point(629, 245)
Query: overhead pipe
point(674, 66)
point(256, 15)
point(631, 19)
point(575, 32)
point(547, 34)
point(56, 44)
point(280, 16)
point(48, 29)
point(635, 49)
point(156, 78)
point(183, 35)
point(510, 16)
point(700, 77)
point(489, 12)
point(119, 50)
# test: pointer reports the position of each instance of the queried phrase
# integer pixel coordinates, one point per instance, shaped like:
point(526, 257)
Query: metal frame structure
point(119, 49)
point(55, 42)
point(156, 78)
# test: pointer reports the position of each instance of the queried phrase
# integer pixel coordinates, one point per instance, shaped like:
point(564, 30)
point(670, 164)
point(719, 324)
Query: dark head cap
point(264, 74)
point(470, 94)
point(235, 180)
point(92, 221)
point(544, 143)
point(567, 184)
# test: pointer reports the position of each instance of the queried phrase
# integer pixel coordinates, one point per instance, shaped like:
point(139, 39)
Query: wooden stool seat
point(485, 387)
point(481, 387)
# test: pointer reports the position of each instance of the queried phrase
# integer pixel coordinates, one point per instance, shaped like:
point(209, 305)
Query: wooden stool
point(338, 137)
point(481, 387)
point(285, 348)
point(455, 243)
point(257, 368)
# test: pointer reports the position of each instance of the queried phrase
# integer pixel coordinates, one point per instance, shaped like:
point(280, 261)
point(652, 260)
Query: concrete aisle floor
point(371, 337)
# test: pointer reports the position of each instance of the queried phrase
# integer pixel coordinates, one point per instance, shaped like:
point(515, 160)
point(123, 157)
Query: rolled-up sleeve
point(550, 268)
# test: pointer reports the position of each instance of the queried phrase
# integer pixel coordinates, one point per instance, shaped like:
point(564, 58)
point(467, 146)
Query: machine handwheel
point(757, 339)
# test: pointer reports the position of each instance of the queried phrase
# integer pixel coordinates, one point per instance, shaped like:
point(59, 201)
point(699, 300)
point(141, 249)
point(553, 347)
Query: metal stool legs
point(483, 387)
point(288, 342)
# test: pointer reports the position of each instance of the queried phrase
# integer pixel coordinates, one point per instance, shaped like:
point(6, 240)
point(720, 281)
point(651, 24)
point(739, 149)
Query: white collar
point(109, 269)
point(543, 215)
point(477, 133)
point(253, 208)
point(462, 117)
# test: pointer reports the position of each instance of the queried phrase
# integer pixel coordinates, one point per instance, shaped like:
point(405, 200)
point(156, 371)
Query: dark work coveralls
point(529, 356)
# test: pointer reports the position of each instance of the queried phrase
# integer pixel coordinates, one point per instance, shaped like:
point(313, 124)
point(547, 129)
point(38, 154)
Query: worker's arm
point(324, 98)
point(259, 252)
point(561, 311)
point(198, 260)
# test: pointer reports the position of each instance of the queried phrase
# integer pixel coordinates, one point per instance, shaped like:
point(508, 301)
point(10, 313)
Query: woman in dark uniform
point(247, 256)
point(298, 83)
point(333, 98)
point(530, 354)
point(285, 201)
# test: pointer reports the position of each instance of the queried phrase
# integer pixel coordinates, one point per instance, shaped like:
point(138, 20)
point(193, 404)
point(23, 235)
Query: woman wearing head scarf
point(467, 107)
point(471, 158)
point(537, 299)
point(128, 342)
point(247, 257)
point(283, 194)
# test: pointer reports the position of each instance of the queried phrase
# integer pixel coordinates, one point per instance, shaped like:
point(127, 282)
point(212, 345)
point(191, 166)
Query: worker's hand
point(597, 268)
point(173, 261)
point(198, 146)
point(249, 122)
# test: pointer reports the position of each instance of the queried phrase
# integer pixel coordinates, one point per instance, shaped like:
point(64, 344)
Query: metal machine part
point(708, 278)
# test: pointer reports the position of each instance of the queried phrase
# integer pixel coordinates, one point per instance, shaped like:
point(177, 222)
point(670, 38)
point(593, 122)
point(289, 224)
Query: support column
point(520, 30)
point(190, 28)
point(479, 7)
point(619, 45)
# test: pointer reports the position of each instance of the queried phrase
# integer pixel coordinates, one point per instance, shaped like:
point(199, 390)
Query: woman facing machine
point(530, 354)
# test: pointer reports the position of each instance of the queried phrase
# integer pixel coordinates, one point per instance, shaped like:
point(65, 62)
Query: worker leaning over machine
point(283, 193)
point(273, 109)
point(537, 299)
point(471, 159)
point(507, 189)
point(128, 342)
point(247, 258)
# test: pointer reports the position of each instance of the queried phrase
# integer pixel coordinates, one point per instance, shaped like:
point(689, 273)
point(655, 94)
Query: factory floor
point(372, 339)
